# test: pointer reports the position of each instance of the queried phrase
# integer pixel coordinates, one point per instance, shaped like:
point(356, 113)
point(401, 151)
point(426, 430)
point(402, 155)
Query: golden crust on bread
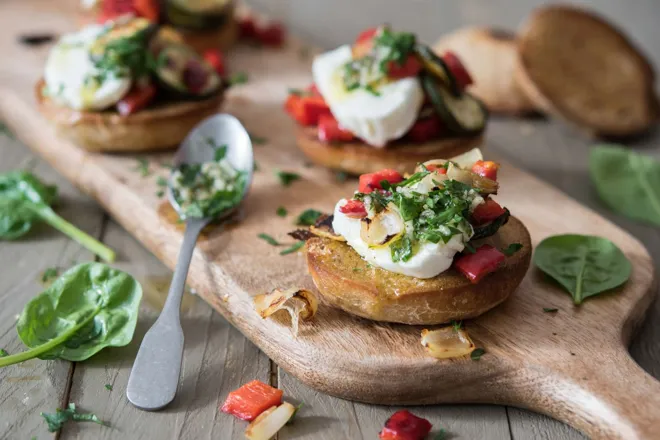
point(359, 158)
point(589, 74)
point(344, 280)
point(490, 57)
point(158, 128)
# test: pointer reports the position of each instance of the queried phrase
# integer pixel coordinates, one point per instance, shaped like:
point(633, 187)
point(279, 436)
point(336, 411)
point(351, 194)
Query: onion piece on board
point(447, 342)
point(298, 302)
point(270, 422)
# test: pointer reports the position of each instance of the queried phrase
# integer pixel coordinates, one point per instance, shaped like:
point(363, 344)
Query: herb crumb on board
point(287, 177)
point(142, 167)
point(293, 248)
point(477, 353)
point(308, 217)
point(269, 239)
point(281, 211)
point(57, 419)
point(550, 310)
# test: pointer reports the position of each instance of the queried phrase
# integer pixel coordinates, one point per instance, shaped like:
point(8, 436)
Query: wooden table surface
point(218, 358)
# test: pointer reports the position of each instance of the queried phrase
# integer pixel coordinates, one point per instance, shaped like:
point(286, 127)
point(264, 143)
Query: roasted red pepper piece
point(404, 425)
point(251, 399)
point(271, 35)
point(487, 212)
point(216, 59)
point(426, 129)
point(411, 67)
point(475, 266)
point(458, 70)
point(486, 168)
point(306, 109)
point(437, 168)
point(330, 131)
point(111, 9)
point(371, 181)
point(354, 209)
point(149, 9)
point(364, 42)
point(136, 99)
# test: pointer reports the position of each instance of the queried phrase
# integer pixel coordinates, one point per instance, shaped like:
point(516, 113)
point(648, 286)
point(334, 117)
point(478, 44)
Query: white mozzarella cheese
point(374, 119)
point(70, 72)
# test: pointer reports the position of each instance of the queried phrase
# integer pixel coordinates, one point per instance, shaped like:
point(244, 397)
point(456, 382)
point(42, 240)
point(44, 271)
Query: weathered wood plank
point(217, 360)
point(28, 388)
point(323, 417)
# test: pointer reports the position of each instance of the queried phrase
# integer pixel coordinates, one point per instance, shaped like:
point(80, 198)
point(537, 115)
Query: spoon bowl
point(155, 375)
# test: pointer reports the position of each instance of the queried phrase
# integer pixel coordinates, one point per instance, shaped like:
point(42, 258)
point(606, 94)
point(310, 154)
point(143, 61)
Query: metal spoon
point(155, 374)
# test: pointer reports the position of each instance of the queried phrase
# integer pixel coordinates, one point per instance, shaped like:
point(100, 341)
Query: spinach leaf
point(57, 419)
point(584, 265)
point(24, 199)
point(629, 183)
point(90, 307)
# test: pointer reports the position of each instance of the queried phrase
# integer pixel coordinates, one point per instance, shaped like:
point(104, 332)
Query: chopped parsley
point(295, 412)
point(287, 177)
point(108, 387)
point(269, 239)
point(477, 353)
point(3, 352)
point(143, 167)
point(49, 274)
point(512, 249)
point(281, 211)
point(308, 217)
point(161, 181)
point(238, 78)
point(293, 248)
point(457, 325)
point(257, 140)
point(56, 420)
point(550, 310)
point(160, 193)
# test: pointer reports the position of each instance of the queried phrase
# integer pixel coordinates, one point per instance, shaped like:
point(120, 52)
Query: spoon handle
point(155, 374)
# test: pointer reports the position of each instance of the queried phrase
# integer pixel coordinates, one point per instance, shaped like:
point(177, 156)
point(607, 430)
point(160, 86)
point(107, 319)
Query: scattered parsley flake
point(257, 140)
point(550, 310)
point(143, 167)
point(220, 153)
point(293, 248)
point(308, 217)
point(49, 274)
point(457, 325)
point(160, 193)
point(469, 248)
point(477, 353)
point(61, 416)
point(3, 352)
point(287, 177)
point(512, 249)
point(281, 211)
point(238, 78)
point(161, 181)
point(269, 239)
point(108, 387)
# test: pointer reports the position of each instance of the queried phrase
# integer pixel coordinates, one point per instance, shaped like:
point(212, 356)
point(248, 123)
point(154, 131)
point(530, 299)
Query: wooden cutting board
point(572, 365)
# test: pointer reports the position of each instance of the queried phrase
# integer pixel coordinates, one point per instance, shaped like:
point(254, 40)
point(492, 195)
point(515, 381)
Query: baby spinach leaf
point(629, 183)
point(90, 307)
point(584, 265)
point(24, 199)
point(57, 419)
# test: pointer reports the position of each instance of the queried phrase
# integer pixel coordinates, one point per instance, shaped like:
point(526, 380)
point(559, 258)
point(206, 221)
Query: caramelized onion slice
point(481, 184)
point(386, 227)
point(447, 342)
point(299, 303)
point(465, 160)
point(269, 422)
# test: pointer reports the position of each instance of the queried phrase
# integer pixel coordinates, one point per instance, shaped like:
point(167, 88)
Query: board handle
point(607, 396)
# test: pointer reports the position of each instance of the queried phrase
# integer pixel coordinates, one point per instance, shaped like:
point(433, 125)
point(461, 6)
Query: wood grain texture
point(218, 359)
point(35, 385)
point(340, 354)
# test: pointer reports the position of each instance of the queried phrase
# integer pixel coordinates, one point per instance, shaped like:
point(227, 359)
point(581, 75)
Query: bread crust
point(572, 80)
point(490, 57)
point(345, 281)
point(158, 128)
point(357, 157)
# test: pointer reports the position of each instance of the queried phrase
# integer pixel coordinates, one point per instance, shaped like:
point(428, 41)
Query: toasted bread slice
point(346, 281)
point(575, 65)
point(158, 128)
point(359, 158)
point(490, 57)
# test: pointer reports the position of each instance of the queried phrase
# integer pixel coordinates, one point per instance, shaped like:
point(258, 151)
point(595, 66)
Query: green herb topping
point(293, 248)
point(269, 239)
point(584, 265)
point(143, 167)
point(108, 387)
point(281, 211)
point(61, 416)
point(208, 189)
point(370, 70)
point(308, 217)
point(3, 352)
point(512, 249)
